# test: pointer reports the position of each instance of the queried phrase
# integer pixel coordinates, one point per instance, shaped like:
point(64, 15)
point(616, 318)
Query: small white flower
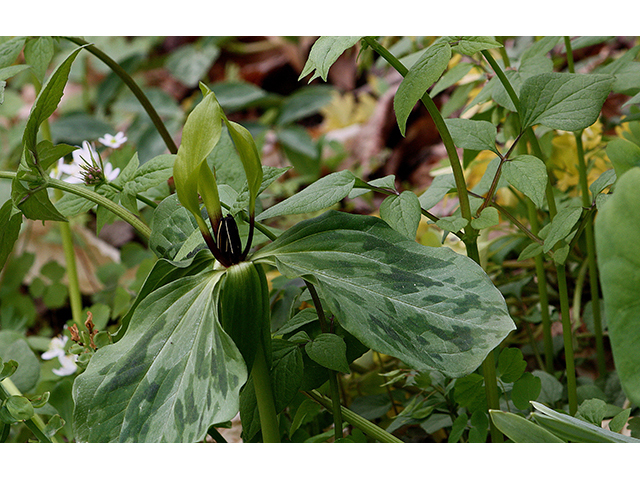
point(109, 173)
point(56, 350)
point(86, 153)
point(69, 366)
point(56, 347)
point(111, 141)
point(73, 171)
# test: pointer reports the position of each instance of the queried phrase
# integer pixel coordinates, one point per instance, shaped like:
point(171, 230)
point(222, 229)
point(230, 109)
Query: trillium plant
point(197, 345)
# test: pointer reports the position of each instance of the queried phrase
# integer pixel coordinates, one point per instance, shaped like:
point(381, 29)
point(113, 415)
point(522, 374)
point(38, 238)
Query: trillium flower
point(56, 350)
point(111, 141)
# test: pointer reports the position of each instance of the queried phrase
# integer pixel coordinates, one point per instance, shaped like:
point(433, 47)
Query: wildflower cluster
point(87, 165)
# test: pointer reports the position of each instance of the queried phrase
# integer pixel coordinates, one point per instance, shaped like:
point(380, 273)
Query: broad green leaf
point(440, 186)
point(200, 135)
point(561, 226)
point(473, 134)
point(8, 72)
point(458, 427)
point(402, 213)
point(151, 174)
point(564, 101)
point(450, 78)
point(269, 175)
point(619, 421)
point(171, 225)
point(321, 194)
point(10, 222)
point(324, 53)
point(617, 230)
point(592, 410)
point(14, 346)
point(525, 389)
point(19, 407)
point(571, 429)
point(330, 351)
point(48, 100)
point(489, 217)
point(388, 182)
point(606, 179)
point(529, 175)
point(38, 53)
point(286, 372)
point(551, 387)
point(419, 78)
point(530, 251)
point(8, 368)
point(623, 154)
point(471, 45)
point(430, 307)
point(511, 364)
point(521, 430)
point(34, 204)
point(237, 95)
point(174, 373)
point(479, 427)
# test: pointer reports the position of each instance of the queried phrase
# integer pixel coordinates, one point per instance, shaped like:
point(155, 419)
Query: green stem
point(264, 397)
point(113, 207)
point(356, 420)
point(333, 376)
point(567, 337)
point(470, 238)
point(144, 200)
point(135, 89)
point(589, 236)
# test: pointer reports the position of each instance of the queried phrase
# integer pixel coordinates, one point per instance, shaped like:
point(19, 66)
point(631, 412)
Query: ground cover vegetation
point(334, 239)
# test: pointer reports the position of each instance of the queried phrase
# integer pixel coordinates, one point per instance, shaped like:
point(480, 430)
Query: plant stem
point(470, 237)
point(333, 375)
point(144, 200)
point(113, 207)
point(135, 89)
point(589, 236)
point(370, 429)
point(561, 273)
point(264, 398)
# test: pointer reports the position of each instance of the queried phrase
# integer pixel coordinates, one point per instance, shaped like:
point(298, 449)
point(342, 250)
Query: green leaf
point(8, 368)
point(618, 422)
point(473, 134)
point(38, 53)
point(452, 224)
point(470, 392)
point(479, 427)
point(458, 427)
point(10, 222)
point(286, 372)
point(511, 364)
point(572, 429)
point(14, 346)
point(190, 63)
point(402, 213)
point(551, 388)
point(562, 226)
point(606, 179)
point(624, 155)
point(430, 307)
point(489, 217)
point(200, 135)
point(617, 230)
point(529, 175)
point(419, 78)
point(324, 53)
point(330, 351)
point(321, 194)
point(173, 374)
point(521, 430)
point(525, 389)
point(48, 100)
point(8, 72)
point(564, 101)
point(10, 50)
point(19, 407)
point(592, 410)
point(471, 45)
point(440, 186)
point(150, 174)
point(250, 157)
point(34, 204)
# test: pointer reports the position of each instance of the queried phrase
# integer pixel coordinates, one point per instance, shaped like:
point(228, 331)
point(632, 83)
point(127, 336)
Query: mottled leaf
point(430, 307)
point(174, 373)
